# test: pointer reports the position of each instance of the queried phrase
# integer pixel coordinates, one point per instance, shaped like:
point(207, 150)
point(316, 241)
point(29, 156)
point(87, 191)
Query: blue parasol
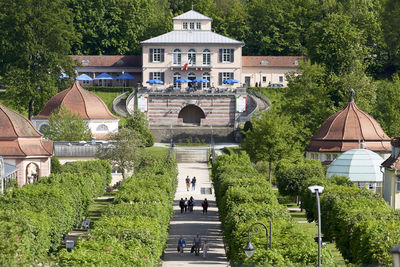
point(125, 76)
point(230, 81)
point(200, 80)
point(155, 81)
point(104, 76)
point(84, 77)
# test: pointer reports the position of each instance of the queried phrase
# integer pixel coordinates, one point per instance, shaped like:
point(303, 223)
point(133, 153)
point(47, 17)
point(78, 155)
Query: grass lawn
point(97, 207)
point(156, 150)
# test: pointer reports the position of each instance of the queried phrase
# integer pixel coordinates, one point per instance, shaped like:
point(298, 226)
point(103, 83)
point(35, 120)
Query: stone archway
point(191, 114)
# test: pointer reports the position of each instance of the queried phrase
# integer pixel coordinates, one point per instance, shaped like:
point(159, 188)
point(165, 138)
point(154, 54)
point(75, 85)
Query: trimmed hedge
point(244, 197)
point(134, 229)
point(35, 217)
point(361, 223)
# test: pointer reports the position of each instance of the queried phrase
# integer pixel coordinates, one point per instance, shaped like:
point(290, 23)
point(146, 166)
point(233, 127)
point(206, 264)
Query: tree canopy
point(36, 40)
point(65, 125)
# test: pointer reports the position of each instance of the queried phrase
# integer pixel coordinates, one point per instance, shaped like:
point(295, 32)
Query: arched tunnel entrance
point(191, 114)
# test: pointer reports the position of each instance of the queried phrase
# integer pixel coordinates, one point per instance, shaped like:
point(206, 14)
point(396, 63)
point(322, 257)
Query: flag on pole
point(185, 67)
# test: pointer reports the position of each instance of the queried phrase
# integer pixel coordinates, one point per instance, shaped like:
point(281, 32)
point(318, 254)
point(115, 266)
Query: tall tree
point(335, 43)
point(64, 125)
point(271, 139)
point(122, 151)
point(307, 100)
point(387, 109)
point(112, 27)
point(138, 122)
point(391, 30)
point(36, 40)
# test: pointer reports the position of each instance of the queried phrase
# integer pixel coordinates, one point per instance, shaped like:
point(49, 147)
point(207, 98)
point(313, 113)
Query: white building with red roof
point(22, 145)
point(83, 103)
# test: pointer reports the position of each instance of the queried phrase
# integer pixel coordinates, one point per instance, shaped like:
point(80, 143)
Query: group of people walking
point(197, 245)
point(188, 182)
point(187, 205)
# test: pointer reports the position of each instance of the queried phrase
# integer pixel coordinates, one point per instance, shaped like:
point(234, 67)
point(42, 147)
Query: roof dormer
point(192, 21)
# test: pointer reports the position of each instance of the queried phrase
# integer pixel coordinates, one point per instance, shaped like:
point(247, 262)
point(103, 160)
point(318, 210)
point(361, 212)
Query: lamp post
point(396, 255)
point(249, 249)
point(316, 190)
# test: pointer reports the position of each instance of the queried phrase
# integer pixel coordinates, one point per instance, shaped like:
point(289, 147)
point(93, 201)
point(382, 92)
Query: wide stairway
point(192, 162)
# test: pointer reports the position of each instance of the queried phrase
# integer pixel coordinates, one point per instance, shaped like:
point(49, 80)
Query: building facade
point(23, 147)
point(191, 51)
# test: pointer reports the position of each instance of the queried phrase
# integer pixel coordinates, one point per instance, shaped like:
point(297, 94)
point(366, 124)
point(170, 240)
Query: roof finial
point(192, 5)
point(352, 93)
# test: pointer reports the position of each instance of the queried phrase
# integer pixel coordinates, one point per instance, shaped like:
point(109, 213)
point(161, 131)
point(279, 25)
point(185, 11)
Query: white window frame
point(281, 79)
point(198, 25)
point(206, 57)
point(226, 76)
point(184, 25)
point(226, 55)
point(177, 57)
point(397, 183)
point(192, 54)
point(156, 54)
point(191, 25)
point(157, 75)
point(175, 77)
point(207, 76)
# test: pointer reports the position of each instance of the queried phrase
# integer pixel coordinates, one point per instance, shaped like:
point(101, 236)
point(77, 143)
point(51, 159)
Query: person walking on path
point(181, 245)
point(185, 204)
point(197, 244)
point(191, 204)
point(187, 180)
point(194, 183)
point(205, 248)
point(182, 204)
point(205, 205)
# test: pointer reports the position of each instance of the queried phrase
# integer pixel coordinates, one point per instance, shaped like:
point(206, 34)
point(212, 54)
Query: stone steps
point(191, 156)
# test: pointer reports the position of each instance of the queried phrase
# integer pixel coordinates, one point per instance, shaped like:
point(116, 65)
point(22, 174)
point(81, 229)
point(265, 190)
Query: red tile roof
point(343, 130)
point(271, 61)
point(109, 61)
point(80, 101)
point(18, 136)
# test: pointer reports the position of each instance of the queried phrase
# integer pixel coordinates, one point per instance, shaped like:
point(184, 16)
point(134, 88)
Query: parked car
point(275, 85)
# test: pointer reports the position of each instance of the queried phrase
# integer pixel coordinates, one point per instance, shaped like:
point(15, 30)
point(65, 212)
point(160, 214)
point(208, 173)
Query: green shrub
point(134, 229)
point(244, 197)
point(361, 223)
point(36, 216)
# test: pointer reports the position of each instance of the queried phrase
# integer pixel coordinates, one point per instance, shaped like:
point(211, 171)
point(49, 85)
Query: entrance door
point(247, 81)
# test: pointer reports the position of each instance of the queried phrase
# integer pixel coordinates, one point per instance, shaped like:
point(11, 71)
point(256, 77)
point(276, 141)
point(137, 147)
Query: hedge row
point(134, 229)
point(34, 217)
point(361, 223)
point(244, 197)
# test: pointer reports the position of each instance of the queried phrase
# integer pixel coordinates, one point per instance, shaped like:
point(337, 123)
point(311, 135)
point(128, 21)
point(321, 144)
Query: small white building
point(83, 103)
point(391, 180)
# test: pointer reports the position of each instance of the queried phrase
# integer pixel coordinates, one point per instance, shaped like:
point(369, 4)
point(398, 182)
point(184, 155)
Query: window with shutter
point(151, 76)
point(220, 55)
point(232, 55)
point(220, 78)
point(162, 76)
point(162, 54)
point(151, 55)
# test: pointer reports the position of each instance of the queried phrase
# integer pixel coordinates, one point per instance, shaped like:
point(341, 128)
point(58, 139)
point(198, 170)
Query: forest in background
point(349, 44)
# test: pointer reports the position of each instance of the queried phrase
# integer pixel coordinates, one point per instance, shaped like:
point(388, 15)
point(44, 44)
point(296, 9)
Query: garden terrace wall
point(134, 229)
point(244, 197)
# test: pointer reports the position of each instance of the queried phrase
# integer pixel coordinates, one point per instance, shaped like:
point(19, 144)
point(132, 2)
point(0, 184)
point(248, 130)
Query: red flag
point(185, 67)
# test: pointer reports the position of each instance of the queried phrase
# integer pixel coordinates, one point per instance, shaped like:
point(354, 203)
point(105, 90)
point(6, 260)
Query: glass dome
point(360, 165)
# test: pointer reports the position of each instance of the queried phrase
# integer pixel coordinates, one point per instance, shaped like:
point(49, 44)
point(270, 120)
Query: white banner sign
point(143, 103)
point(241, 104)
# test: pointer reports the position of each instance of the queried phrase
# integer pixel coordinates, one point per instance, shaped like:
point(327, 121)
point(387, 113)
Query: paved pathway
point(188, 224)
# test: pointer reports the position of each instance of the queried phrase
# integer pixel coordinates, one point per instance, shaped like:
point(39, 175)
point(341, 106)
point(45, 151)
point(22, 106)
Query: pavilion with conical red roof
point(83, 103)
point(23, 146)
point(346, 130)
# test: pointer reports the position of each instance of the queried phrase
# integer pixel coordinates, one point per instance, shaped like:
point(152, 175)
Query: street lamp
point(249, 249)
point(2, 171)
point(396, 256)
point(316, 190)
